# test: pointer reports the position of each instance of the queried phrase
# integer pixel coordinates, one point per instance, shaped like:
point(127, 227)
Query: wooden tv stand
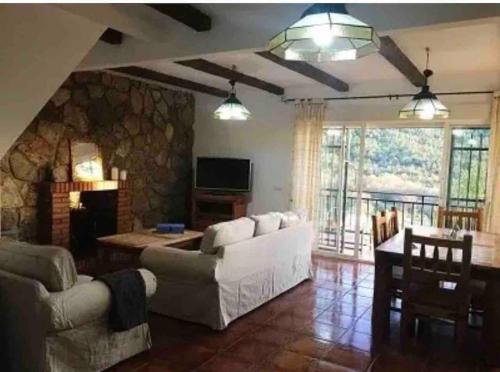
point(209, 208)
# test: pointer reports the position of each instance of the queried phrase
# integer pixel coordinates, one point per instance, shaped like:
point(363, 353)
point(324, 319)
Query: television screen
point(224, 174)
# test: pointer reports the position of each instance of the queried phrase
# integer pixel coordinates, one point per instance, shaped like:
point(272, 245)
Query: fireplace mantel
point(54, 208)
point(64, 187)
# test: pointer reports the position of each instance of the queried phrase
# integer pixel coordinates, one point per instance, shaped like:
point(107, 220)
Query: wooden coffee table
point(134, 243)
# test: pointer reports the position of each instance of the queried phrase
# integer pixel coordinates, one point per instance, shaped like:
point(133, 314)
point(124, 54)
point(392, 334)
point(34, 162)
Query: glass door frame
point(338, 168)
point(341, 169)
point(479, 149)
point(447, 126)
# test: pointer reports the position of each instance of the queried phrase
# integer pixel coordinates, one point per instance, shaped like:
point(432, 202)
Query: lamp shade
point(232, 109)
point(325, 32)
point(424, 106)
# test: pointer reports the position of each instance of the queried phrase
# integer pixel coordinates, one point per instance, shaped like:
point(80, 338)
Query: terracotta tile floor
point(321, 325)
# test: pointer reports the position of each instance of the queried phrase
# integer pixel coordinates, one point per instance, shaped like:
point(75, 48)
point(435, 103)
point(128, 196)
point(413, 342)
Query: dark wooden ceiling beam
point(229, 74)
point(112, 36)
point(144, 73)
point(391, 52)
point(307, 70)
point(186, 14)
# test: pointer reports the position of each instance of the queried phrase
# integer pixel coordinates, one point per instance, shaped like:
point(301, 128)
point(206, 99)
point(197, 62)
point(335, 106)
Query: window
point(468, 165)
point(399, 167)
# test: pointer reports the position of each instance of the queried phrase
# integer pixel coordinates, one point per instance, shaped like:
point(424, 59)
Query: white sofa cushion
point(52, 266)
point(266, 223)
point(225, 233)
point(302, 213)
point(289, 219)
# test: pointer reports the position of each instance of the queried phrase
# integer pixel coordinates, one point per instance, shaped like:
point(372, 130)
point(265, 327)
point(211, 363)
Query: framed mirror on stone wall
point(86, 161)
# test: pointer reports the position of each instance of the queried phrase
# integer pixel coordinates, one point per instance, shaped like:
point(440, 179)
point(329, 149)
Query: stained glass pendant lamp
point(425, 105)
point(232, 108)
point(325, 32)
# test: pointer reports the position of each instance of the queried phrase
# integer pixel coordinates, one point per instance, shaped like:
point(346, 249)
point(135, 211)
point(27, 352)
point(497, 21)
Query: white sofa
point(234, 271)
point(52, 319)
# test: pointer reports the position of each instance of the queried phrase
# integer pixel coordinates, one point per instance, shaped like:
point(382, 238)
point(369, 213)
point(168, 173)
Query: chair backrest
point(436, 260)
point(54, 267)
point(468, 220)
point(384, 226)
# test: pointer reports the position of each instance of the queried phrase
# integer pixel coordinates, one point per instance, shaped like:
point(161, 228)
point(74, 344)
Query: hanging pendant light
point(325, 32)
point(425, 105)
point(232, 108)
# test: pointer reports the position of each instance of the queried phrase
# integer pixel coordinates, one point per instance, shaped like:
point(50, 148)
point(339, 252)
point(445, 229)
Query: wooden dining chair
point(467, 220)
point(438, 261)
point(385, 225)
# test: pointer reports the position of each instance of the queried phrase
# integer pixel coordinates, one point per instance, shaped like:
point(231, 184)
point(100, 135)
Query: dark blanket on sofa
point(128, 299)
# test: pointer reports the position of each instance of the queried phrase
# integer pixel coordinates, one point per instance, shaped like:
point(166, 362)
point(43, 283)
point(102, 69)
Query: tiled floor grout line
point(311, 318)
point(331, 343)
point(223, 350)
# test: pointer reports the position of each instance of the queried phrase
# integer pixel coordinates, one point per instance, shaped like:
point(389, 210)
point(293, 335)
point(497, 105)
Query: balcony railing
point(414, 209)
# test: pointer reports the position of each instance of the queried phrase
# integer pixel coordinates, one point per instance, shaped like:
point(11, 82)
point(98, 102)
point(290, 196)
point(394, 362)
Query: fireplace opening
point(93, 214)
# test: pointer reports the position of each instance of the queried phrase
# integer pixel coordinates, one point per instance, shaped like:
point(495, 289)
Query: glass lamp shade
point(232, 109)
point(424, 106)
point(325, 32)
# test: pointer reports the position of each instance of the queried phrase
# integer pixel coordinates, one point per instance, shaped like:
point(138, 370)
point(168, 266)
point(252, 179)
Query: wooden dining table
point(485, 266)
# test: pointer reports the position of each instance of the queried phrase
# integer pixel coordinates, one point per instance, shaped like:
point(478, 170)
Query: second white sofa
point(234, 271)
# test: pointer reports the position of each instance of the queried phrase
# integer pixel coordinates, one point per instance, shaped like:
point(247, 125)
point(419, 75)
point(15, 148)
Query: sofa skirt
point(216, 304)
point(94, 347)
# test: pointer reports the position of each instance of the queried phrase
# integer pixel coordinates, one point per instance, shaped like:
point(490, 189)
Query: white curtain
point(492, 208)
point(306, 174)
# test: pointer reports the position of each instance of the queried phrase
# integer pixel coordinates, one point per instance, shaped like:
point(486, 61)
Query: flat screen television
point(223, 174)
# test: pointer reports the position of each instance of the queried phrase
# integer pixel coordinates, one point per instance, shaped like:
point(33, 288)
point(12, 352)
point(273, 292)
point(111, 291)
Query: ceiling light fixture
point(425, 105)
point(325, 32)
point(232, 108)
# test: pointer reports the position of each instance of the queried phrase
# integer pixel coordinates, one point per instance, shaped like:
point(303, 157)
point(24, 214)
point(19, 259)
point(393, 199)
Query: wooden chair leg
point(424, 328)
point(460, 333)
point(407, 326)
point(411, 325)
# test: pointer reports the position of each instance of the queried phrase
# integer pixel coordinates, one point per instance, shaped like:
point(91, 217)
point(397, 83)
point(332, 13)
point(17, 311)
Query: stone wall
point(142, 128)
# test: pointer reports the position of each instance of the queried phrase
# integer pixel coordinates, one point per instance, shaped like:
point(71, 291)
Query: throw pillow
point(266, 223)
point(289, 219)
point(225, 233)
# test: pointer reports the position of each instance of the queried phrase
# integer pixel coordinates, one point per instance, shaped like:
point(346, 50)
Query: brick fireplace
point(54, 208)
point(140, 127)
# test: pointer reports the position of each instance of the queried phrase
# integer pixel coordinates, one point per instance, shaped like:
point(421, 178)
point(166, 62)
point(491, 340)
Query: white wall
point(267, 138)
point(40, 46)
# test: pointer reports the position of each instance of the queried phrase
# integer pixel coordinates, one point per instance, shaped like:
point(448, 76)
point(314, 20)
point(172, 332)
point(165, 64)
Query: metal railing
point(414, 209)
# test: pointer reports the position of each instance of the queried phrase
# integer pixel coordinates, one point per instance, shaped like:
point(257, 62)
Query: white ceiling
point(269, 18)
point(464, 56)
point(151, 36)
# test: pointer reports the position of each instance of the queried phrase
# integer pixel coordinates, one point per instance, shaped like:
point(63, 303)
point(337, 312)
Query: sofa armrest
point(149, 281)
point(84, 303)
point(179, 264)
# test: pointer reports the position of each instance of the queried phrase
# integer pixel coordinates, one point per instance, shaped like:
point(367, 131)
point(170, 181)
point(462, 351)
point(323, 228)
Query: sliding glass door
point(368, 169)
point(340, 184)
point(332, 156)
point(403, 169)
